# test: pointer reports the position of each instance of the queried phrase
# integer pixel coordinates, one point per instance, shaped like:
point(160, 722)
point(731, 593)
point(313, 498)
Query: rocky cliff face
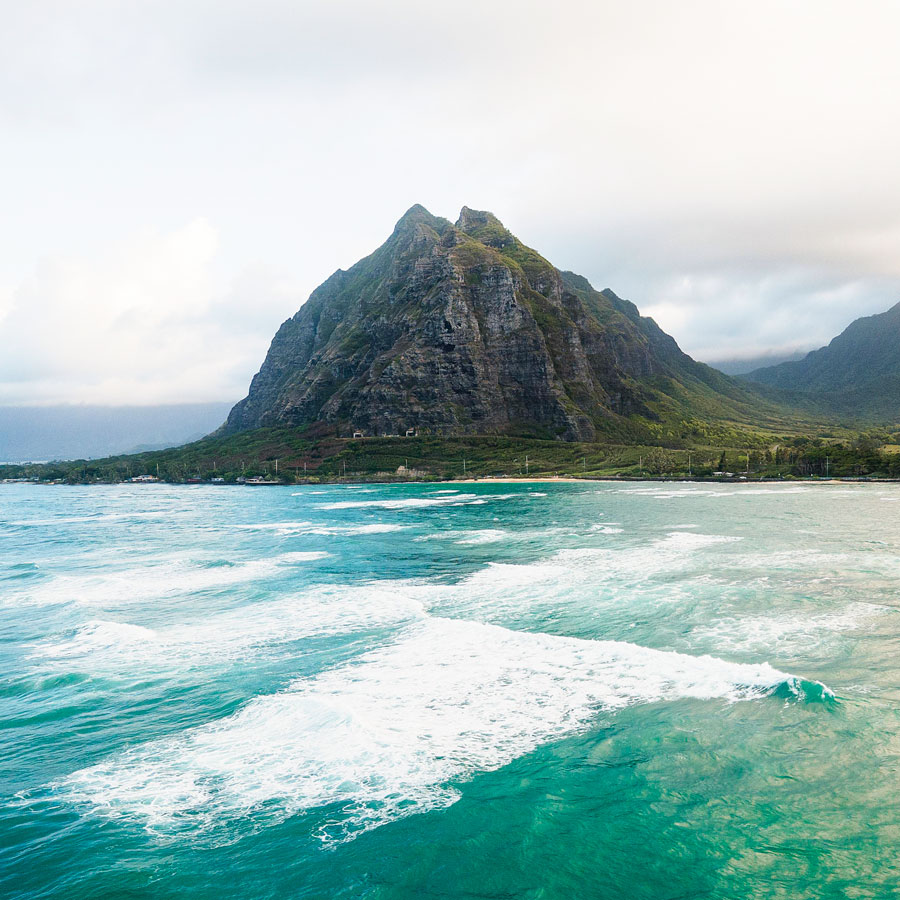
point(461, 328)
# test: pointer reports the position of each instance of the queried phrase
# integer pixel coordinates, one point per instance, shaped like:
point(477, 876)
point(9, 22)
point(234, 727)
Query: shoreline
point(525, 479)
point(561, 479)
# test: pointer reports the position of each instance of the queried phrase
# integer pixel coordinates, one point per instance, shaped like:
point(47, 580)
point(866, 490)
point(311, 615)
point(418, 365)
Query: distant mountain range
point(746, 365)
point(461, 328)
point(85, 432)
point(857, 376)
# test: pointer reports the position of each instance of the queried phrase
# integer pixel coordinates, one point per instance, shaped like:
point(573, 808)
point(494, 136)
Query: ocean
point(560, 690)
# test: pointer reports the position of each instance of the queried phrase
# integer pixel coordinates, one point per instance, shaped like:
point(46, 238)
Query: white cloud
point(734, 316)
point(732, 166)
point(141, 322)
point(6, 302)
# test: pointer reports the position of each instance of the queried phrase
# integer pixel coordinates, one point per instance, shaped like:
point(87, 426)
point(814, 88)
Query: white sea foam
point(373, 528)
point(668, 493)
point(400, 503)
point(469, 536)
point(484, 536)
point(165, 578)
point(386, 736)
point(456, 499)
point(755, 491)
point(106, 646)
point(687, 541)
point(513, 575)
point(97, 518)
point(585, 576)
point(297, 556)
point(286, 529)
point(732, 490)
point(787, 632)
point(97, 637)
point(278, 527)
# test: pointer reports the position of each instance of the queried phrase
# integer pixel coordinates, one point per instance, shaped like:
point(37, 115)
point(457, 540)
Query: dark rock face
point(454, 329)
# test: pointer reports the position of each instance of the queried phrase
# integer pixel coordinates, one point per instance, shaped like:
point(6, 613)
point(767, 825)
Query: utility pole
point(464, 467)
point(526, 463)
point(276, 465)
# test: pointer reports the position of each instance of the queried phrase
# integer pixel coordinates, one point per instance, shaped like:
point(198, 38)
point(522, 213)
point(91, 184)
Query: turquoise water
point(450, 691)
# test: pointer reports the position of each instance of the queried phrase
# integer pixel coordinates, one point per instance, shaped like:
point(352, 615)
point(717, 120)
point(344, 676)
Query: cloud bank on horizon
point(178, 176)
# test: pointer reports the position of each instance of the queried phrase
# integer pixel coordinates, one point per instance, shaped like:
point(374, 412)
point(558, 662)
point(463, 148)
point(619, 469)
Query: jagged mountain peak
point(484, 226)
point(418, 215)
point(463, 329)
point(475, 218)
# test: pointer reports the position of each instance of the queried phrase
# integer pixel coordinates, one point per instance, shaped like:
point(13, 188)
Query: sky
point(176, 177)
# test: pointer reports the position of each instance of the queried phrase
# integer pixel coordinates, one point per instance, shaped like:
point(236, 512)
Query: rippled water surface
point(450, 691)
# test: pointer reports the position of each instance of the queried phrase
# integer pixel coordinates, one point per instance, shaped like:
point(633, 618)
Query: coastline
point(562, 479)
point(525, 479)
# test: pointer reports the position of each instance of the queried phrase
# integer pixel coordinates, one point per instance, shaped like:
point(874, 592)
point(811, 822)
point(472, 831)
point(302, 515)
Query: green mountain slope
point(856, 377)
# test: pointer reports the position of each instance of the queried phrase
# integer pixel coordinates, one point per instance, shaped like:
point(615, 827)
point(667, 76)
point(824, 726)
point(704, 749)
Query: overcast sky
point(178, 176)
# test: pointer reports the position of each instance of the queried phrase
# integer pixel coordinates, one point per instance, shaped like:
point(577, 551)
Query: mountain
point(85, 432)
point(857, 374)
point(462, 329)
point(738, 366)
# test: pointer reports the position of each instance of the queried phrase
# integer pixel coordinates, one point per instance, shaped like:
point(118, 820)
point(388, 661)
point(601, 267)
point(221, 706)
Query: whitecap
point(165, 578)
point(288, 529)
point(392, 733)
point(787, 632)
point(687, 541)
point(103, 646)
point(484, 536)
point(404, 503)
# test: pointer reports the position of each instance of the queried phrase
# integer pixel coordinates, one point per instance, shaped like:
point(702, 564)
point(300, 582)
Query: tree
point(659, 461)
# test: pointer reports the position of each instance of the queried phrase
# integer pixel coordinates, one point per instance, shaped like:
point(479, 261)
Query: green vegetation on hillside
point(856, 378)
point(293, 456)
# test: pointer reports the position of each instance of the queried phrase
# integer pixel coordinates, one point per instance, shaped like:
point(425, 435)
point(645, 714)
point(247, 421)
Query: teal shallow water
point(504, 691)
